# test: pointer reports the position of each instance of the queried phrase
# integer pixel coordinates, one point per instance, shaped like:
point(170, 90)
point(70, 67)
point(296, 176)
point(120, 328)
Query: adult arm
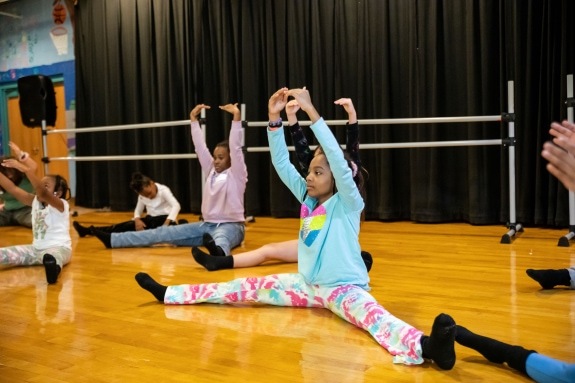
point(41, 192)
point(21, 195)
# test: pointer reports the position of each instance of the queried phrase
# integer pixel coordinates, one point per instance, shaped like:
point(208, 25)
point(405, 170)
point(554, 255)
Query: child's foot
point(82, 231)
point(210, 244)
point(440, 345)
point(550, 278)
point(212, 263)
point(106, 238)
point(367, 259)
point(52, 268)
point(147, 283)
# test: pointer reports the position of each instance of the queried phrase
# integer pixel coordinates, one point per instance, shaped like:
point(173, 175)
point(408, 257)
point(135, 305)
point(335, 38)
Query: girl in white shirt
point(161, 206)
point(52, 245)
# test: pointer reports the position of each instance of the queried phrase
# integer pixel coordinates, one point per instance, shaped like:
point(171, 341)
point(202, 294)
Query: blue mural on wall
point(37, 37)
point(38, 33)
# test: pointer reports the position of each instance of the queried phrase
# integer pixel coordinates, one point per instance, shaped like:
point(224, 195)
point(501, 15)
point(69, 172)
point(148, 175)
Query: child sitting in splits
point(51, 245)
point(222, 203)
point(287, 251)
point(161, 206)
point(331, 274)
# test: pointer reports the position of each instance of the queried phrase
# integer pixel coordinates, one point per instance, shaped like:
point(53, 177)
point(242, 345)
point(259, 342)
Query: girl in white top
point(52, 245)
point(161, 207)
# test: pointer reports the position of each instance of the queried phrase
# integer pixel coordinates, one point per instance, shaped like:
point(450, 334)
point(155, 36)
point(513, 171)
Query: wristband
point(23, 156)
point(276, 124)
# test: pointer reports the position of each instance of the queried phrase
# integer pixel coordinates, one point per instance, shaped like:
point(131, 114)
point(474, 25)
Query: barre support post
point(513, 226)
point(564, 241)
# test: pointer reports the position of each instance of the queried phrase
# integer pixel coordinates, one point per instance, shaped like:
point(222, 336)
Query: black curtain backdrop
point(141, 61)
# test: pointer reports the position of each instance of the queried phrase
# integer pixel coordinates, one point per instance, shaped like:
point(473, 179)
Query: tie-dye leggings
point(28, 255)
point(349, 302)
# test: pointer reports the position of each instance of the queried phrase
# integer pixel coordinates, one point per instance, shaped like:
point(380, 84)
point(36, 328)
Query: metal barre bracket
point(509, 141)
point(508, 117)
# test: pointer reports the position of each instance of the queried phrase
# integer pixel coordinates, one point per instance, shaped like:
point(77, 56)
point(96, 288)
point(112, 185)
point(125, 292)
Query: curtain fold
point(153, 60)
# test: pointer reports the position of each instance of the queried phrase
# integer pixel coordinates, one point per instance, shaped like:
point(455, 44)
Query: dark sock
point(147, 283)
point(440, 345)
point(367, 259)
point(212, 263)
point(550, 278)
point(494, 350)
point(52, 268)
point(82, 231)
point(106, 238)
point(210, 244)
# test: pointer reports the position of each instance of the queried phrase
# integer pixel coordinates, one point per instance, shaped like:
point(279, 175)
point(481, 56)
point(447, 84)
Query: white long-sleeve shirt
point(164, 203)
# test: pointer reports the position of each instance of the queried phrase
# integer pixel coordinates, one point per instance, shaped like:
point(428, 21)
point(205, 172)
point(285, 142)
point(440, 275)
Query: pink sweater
point(223, 195)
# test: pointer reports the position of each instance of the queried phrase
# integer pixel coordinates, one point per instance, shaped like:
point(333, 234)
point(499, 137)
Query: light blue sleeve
point(346, 187)
point(544, 369)
point(285, 169)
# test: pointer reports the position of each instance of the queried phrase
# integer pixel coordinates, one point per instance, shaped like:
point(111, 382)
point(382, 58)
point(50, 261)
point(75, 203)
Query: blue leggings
point(543, 369)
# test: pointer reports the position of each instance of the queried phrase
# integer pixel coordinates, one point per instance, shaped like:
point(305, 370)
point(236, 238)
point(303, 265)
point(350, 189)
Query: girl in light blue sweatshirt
point(331, 274)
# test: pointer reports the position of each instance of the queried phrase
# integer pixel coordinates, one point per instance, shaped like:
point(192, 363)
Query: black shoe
point(182, 221)
point(367, 259)
point(106, 238)
point(52, 268)
point(82, 231)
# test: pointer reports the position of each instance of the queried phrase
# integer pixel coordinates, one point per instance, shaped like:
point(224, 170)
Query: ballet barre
point(508, 117)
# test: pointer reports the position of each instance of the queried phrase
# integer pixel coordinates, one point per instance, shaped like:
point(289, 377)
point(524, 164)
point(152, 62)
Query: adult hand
point(276, 103)
point(17, 152)
point(13, 163)
point(564, 135)
point(196, 111)
point(561, 164)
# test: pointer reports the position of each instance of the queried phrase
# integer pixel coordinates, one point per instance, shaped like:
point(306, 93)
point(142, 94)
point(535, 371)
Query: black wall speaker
point(37, 100)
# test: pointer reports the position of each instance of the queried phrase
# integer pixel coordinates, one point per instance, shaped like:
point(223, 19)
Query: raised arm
point(23, 157)
point(42, 193)
point(342, 174)
point(238, 164)
point(204, 155)
point(302, 150)
point(278, 148)
point(352, 143)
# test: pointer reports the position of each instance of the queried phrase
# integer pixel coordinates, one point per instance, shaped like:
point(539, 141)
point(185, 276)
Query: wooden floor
point(97, 325)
